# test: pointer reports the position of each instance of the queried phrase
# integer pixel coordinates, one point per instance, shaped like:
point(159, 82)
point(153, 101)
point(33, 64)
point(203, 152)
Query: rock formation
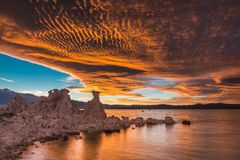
point(63, 102)
point(169, 121)
point(126, 122)
point(94, 108)
point(139, 121)
point(54, 117)
point(56, 105)
point(186, 122)
point(151, 121)
point(17, 105)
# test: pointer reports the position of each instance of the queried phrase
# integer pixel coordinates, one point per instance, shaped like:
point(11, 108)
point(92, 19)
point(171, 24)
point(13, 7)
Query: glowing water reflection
point(214, 134)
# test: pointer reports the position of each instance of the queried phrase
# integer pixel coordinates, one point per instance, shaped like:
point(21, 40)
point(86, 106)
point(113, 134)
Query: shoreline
point(54, 118)
point(15, 150)
point(172, 108)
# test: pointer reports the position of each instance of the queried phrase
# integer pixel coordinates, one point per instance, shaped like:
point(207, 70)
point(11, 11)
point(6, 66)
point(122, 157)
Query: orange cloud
point(111, 45)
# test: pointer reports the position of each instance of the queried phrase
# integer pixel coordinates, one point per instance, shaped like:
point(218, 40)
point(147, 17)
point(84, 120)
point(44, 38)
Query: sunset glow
point(133, 52)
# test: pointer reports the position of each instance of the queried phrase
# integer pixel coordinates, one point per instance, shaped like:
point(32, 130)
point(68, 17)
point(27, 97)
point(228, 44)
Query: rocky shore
point(54, 117)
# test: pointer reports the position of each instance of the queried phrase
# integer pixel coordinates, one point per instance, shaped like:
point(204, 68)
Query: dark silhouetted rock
point(169, 121)
point(186, 122)
point(78, 137)
point(64, 137)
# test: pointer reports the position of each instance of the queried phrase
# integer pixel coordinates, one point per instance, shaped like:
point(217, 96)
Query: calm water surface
point(214, 135)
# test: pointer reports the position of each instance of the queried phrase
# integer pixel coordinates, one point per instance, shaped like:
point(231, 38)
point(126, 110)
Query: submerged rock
point(169, 121)
point(64, 137)
point(139, 122)
point(78, 137)
point(152, 121)
point(186, 122)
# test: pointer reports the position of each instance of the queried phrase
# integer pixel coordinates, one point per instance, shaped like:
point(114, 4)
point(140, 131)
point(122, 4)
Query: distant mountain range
point(7, 95)
point(165, 106)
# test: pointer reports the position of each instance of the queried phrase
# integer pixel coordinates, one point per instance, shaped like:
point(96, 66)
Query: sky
point(133, 52)
point(25, 77)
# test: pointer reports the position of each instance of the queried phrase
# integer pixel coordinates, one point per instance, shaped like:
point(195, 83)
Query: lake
point(213, 135)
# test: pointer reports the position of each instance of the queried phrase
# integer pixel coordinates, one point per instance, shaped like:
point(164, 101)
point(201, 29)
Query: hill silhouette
point(7, 95)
